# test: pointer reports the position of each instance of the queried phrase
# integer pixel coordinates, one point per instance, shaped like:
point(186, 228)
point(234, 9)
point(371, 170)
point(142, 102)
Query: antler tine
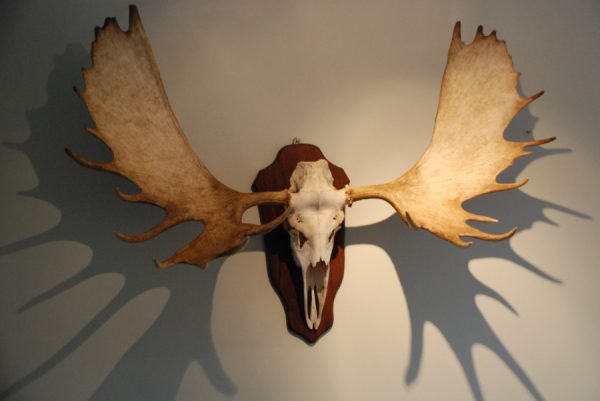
point(88, 163)
point(161, 227)
point(219, 238)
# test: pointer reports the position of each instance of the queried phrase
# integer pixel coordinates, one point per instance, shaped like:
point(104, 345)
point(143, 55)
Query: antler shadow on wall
point(91, 212)
point(435, 275)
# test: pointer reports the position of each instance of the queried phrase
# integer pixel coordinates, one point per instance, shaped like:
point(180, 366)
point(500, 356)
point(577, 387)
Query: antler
point(127, 100)
point(478, 100)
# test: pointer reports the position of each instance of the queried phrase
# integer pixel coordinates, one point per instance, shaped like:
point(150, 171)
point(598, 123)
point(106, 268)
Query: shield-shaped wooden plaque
point(285, 276)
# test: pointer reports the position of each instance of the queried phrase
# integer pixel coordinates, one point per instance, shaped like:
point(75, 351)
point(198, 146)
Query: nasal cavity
point(317, 275)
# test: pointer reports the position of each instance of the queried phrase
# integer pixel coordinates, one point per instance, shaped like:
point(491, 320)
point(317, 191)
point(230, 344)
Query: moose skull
point(317, 212)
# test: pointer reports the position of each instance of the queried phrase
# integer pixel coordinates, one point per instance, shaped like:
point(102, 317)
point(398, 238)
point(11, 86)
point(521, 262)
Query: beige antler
point(478, 100)
point(126, 98)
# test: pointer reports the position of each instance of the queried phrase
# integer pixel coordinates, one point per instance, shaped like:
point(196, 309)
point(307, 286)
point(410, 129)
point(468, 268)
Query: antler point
point(162, 265)
point(479, 34)
point(508, 234)
point(457, 26)
point(134, 16)
point(540, 93)
point(463, 244)
point(456, 34)
point(122, 236)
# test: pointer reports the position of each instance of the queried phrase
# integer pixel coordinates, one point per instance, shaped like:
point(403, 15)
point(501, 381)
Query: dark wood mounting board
point(285, 276)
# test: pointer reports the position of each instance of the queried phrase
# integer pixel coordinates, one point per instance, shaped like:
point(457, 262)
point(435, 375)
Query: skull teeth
point(313, 316)
point(315, 285)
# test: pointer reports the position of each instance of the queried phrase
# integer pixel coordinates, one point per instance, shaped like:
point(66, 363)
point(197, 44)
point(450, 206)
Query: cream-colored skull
point(317, 212)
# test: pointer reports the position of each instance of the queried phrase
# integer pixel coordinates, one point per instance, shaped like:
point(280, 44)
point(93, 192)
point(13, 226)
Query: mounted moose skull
point(478, 99)
point(316, 214)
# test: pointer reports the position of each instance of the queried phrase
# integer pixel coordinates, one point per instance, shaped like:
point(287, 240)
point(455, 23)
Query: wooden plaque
point(285, 276)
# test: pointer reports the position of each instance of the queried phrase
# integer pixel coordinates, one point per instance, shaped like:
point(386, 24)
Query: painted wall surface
point(85, 316)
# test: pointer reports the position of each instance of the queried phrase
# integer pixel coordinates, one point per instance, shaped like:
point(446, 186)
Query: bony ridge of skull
point(316, 214)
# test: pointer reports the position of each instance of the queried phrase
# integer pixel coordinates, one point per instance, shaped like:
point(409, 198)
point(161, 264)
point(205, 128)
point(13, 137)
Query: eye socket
point(301, 239)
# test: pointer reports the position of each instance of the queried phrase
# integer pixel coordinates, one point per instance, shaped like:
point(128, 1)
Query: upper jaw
point(316, 280)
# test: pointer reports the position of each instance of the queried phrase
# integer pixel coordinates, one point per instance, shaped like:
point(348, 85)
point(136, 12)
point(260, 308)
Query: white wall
point(85, 316)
